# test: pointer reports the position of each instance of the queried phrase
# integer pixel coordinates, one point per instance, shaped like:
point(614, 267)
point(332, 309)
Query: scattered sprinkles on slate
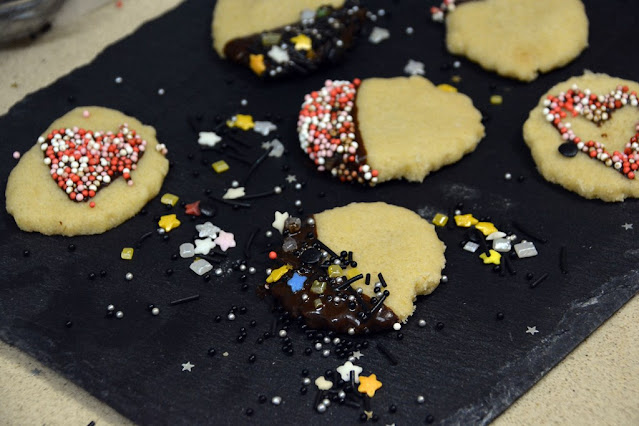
point(328, 132)
point(82, 161)
point(597, 109)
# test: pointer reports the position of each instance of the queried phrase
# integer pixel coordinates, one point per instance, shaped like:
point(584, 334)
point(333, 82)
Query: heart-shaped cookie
point(380, 129)
point(39, 190)
point(515, 38)
point(600, 132)
point(82, 162)
point(597, 109)
point(356, 268)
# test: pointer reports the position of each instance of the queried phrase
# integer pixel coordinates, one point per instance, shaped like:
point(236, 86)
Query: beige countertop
point(598, 383)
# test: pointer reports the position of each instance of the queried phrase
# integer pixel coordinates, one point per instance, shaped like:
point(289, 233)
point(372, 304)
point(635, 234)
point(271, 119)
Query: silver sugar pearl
point(155, 311)
point(128, 276)
point(252, 270)
point(119, 314)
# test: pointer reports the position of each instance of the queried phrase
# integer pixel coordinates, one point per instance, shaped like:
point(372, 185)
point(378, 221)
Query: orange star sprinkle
point(369, 385)
point(257, 64)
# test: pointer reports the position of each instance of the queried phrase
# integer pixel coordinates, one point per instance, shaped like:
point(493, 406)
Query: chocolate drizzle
point(338, 307)
point(331, 31)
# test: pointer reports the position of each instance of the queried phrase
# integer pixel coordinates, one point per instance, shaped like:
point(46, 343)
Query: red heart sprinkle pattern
point(82, 161)
point(597, 109)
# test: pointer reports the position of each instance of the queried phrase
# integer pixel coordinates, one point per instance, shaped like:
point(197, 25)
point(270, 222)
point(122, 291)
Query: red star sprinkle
point(193, 209)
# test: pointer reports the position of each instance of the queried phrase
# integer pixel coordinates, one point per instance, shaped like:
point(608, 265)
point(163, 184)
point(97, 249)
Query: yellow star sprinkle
point(369, 414)
point(302, 42)
point(486, 228)
point(168, 222)
point(465, 220)
point(257, 64)
point(369, 385)
point(494, 258)
point(277, 274)
point(447, 88)
point(244, 122)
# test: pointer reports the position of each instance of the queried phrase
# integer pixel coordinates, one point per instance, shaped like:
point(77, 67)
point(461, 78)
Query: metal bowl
point(23, 18)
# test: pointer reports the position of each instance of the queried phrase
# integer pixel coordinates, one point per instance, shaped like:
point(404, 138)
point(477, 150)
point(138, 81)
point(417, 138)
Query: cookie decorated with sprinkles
point(91, 170)
point(584, 135)
point(517, 39)
point(275, 38)
point(380, 129)
point(355, 269)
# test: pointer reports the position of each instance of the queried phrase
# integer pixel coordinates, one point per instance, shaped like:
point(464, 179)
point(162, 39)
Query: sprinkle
point(255, 165)
point(494, 257)
point(225, 240)
point(275, 148)
point(128, 276)
point(188, 366)
point(532, 330)
point(169, 199)
point(256, 63)
point(201, 267)
point(279, 55)
point(203, 246)
point(447, 88)
point(193, 208)
point(378, 35)
point(220, 166)
point(264, 127)
point(16, 155)
point(169, 222)
point(471, 246)
point(414, 68)
point(280, 218)
point(486, 228)
point(233, 193)
point(187, 250)
point(346, 369)
point(627, 226)
point(538, 280)
point(161, 91)
point(275, 275)
point(369, 384)
point(208, 139)
point(323, 384)
point(465, 221)
point(244, 122)
point(384, 351)
point(440, 219)
point(127, 253)
point(86, 113)
point(207, 229)
point(496, 100)
point(525, 249)
point(302, 42)
point(185, 300)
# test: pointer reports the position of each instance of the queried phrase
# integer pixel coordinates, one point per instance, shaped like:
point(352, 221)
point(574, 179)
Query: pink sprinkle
point(86, 113)
point(16, 155)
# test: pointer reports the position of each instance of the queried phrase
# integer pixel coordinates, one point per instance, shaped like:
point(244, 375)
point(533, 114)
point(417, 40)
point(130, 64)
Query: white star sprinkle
point(276, 147)
point(627, 226)
point(345, 371)
point(209, 139)
point(378, 35)
point(264, 127)
point(357, 354)
point(323, 384)
point(204, 246)
point(291, 178)
point(279, 55)
point(278, 223)
point(188, 366)
point(532, 330)
point(207, 229)
point(233, 193)
point(414, 68)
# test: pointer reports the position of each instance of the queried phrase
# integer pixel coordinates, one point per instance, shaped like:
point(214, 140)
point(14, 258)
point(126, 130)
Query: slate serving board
point(468, 371)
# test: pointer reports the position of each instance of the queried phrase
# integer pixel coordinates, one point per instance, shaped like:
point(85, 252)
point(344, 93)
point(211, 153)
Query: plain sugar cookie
point(68, 184)
point(356, 269)
point(515, 38)
point(281, 37)
point(584, 135)
point(380, 129)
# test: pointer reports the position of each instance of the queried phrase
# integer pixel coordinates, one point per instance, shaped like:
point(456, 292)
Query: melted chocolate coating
point(359, 315)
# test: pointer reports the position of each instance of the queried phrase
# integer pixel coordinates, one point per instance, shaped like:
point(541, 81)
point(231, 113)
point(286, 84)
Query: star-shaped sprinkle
point(369, 414)
point(323, 384)
point(188, 366)
point(532, 330)
point(193, 208)
point(627, 226)
point(414, 68)
point(278, 223)
point(345, 371)
point(378, 35)
point(225, 240)
point(296, 282)
point(207, 229)
point(256, 62)
point(278, 273)
point(203, 246)
point(357, 354)
point(168, 222)
point(276, 147)
point(368, 385)
point(302, 42)
point(279, 55)
point(208, 139)
point(233, 193)
point(494, 257)
point(291, 178)
point(264, 127)
point(465, 220)
point(447, 88)
point(486, 228)
point(244, 122)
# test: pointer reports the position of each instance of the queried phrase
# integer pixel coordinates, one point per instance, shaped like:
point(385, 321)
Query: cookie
point(356, 269)
point(584, 135)
point(517, 39)
point(380, 129)
point(85, 180)
point(275, 38)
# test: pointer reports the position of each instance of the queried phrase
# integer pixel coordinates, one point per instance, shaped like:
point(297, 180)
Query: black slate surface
point(468, 371)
